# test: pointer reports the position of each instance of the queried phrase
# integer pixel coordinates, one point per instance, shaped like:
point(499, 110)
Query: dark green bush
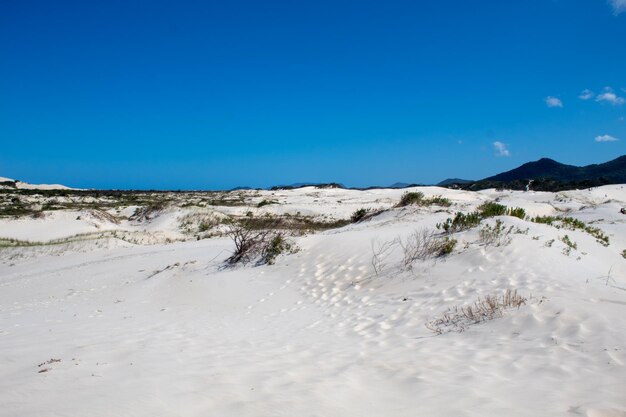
point(266, 203)
point(359, 214)
point(491, 209)
point(518, 212)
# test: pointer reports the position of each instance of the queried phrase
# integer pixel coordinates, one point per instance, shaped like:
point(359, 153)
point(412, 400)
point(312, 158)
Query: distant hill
point(307, 184)
point(613, 172)
point(450, 181)
point(400, 185)
point(550, 175)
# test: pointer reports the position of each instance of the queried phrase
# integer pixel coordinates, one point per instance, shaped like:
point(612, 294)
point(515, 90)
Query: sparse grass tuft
point(496, 235)
point(458, 319)
point(570, 245)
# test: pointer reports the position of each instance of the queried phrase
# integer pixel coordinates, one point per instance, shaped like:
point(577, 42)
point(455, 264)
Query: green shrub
point(544, 220)
point(437, 200)
point(446, 247)
point(460, 222)
point(276, 245)
point(565, 239)
point(496, 235)
point(410, 198)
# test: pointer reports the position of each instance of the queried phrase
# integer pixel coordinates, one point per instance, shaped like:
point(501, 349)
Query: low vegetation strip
point(418, 199)
point(574, 224)
point(462, 221)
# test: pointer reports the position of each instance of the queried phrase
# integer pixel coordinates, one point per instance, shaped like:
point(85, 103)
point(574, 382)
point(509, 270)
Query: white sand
point(318, 333)
point(27, 186)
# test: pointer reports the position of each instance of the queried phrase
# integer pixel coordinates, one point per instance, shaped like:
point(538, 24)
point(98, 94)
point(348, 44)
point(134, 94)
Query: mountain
point(450, 181)
point(307, 184)
point(400, 185)
point(612, 172)
point(550, 175)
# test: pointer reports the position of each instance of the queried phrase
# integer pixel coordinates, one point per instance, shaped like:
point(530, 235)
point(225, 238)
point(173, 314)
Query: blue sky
point(209, 95)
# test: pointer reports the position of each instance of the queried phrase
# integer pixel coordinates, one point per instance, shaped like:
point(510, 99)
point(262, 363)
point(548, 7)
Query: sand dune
point(104, 327)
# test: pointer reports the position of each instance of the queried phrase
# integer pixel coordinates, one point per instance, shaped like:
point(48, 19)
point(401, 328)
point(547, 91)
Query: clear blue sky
point(208, 95)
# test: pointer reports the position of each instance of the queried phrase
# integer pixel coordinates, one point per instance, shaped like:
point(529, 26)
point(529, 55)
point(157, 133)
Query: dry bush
point(424, 244)
point(380, 253)
point(148, 213)
point(457, 319)
point(255, 244)
point(248, 242)
point(104, 216)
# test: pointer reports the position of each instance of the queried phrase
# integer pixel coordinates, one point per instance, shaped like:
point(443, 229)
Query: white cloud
point(619, 6)
point(553, 102)
point(586, 94)
point(501, 149)
point(606, 138)
point(610, 97)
